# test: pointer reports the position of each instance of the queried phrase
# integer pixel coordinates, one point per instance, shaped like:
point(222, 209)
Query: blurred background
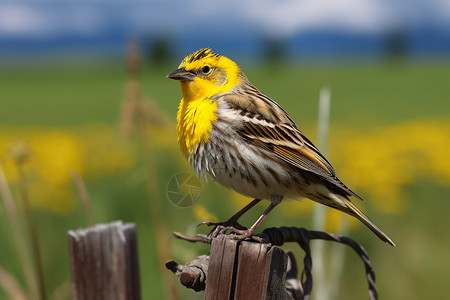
point(87, 130)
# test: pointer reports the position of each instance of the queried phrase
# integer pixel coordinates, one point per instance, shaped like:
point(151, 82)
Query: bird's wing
point(278, 134)
point(289, 144)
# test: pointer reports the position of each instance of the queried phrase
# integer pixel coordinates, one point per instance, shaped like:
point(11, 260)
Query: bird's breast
point(195, 120)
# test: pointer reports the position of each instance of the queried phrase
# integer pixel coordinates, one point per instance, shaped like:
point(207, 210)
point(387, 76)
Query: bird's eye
point(206, 69)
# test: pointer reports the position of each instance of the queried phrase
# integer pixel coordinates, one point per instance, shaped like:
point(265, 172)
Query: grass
point(364, 96)
point(71, 95)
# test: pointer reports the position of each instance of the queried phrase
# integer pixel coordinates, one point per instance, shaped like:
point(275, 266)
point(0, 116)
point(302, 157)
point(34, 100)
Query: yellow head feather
point(197, 56)
point(223, 77)
point(197, 111)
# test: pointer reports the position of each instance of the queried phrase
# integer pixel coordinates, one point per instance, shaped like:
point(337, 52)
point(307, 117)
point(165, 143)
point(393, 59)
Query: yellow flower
point(54, 155)
point(383, 161)
point(103, 152)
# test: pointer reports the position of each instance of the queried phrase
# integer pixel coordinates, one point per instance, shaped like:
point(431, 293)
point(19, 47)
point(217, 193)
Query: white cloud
point(277, 17)
point(20, 20)
point(290, 16)
point(37, 21)
point(442, 8)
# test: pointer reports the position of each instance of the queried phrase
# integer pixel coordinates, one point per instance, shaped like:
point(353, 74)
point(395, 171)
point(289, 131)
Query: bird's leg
point(232, 222)
point(248, 233)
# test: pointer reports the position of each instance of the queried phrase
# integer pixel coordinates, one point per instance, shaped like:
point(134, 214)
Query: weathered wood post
point(104, 262)
point(245, 270)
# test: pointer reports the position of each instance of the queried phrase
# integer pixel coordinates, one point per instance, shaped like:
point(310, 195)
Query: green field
point(365, 97)
point(71, 95)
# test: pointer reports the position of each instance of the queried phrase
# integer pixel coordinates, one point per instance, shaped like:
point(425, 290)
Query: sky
point(46, 23)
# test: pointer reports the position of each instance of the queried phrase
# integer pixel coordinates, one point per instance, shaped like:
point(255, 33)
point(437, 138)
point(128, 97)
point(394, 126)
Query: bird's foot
point(220, 226)
point(236, 233)
point(243, 234)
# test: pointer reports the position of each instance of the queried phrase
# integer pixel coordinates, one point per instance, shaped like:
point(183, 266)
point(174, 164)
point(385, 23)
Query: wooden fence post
point(245, 270)
point(104, 262)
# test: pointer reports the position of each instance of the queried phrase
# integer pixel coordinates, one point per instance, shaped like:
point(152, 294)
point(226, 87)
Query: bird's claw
point(237, 234)
point(230, 223)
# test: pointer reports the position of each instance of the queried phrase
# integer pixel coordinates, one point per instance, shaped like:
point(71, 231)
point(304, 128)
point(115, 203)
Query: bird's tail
point(351, 209)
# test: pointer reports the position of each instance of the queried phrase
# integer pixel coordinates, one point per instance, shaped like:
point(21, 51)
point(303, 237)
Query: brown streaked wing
point(294, 148)
point(283, 139)
point(289, 146)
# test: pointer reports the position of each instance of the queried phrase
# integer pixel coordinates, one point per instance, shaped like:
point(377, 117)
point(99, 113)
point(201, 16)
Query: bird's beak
point(181, 75)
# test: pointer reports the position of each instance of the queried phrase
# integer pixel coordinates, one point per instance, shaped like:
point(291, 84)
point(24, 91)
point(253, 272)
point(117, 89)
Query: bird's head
point(204, 73)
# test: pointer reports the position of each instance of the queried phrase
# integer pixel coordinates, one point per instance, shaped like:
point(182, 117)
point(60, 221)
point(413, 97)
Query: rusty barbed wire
point(193, 274)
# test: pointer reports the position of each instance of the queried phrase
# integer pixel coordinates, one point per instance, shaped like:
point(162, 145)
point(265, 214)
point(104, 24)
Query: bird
point(231, 131)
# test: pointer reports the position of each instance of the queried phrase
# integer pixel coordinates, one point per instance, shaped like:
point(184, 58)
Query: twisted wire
point(302, 236)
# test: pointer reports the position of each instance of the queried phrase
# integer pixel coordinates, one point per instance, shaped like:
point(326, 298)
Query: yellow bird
point(230, 130)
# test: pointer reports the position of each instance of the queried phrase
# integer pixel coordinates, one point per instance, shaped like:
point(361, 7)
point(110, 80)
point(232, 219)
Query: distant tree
point(160, 50)
point(396, 44)
point(274, 51)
